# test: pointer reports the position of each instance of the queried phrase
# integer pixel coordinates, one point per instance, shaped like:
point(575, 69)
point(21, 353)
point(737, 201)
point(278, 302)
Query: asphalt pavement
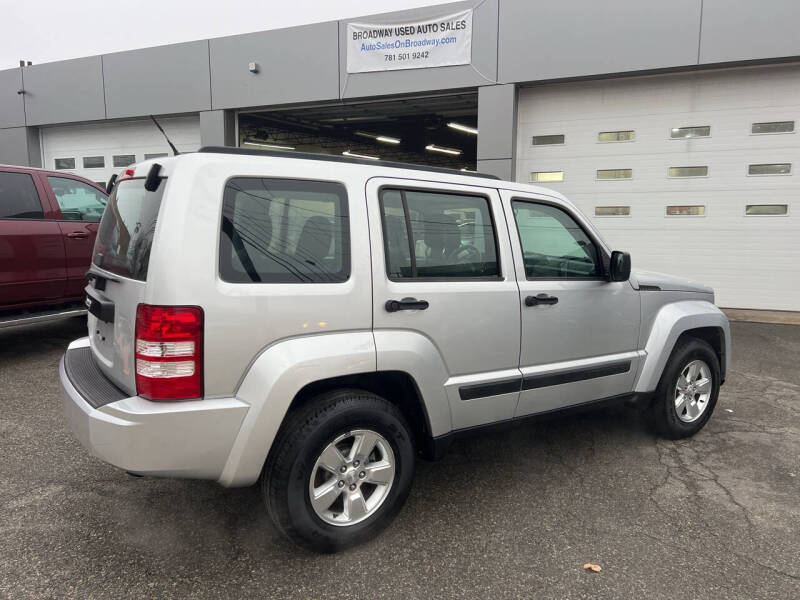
point(507, 515)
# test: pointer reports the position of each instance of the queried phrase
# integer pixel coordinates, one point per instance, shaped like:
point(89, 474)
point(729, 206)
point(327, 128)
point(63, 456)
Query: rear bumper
point(189, 439)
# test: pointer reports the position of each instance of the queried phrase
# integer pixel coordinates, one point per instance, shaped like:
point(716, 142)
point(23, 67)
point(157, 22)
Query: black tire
point(662, 414)
point(303, 437)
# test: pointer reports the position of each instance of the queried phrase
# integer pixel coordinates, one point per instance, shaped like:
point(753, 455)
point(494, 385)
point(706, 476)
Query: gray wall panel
point(298, 64)
point(64, 92)
point(162, 80)
point(497, 122)
point(14, 147)
point(217, 128)
point(500, 167)
point(735, 31)
point(482, 71)
point(12, 109)
point(550, 40)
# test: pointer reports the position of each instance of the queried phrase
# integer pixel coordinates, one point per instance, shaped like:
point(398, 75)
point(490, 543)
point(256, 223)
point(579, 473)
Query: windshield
point(126, 230)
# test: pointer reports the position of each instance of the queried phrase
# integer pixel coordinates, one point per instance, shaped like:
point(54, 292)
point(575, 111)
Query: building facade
point(672, 125)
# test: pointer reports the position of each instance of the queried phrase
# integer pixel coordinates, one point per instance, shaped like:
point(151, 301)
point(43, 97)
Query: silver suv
point(314, 324)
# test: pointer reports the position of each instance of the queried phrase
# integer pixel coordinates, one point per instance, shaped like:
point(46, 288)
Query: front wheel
point(340, 470)
point(688, 390)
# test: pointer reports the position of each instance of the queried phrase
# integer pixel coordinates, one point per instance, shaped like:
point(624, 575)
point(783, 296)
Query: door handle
point(78, 235)
point(540, 299)
point(406, 304)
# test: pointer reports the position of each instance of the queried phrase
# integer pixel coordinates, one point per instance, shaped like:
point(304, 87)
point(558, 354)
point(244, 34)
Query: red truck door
point(31, 245)
point(79, 208)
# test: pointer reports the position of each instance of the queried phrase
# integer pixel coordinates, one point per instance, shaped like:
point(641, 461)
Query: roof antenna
point(171, 145)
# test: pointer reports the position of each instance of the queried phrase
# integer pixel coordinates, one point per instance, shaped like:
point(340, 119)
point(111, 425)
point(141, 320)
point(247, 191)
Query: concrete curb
point(783, 317)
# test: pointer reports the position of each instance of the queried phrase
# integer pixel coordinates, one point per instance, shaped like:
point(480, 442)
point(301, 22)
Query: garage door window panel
point(547, 140)
point(77, 200)
point(123, 160)
point(770, 169)
point(614, 174)
point(434, 235)
point(612, 211)
point(284, 231)
point(686, 211)
point(766, 210)
point(772, 127)
point(687, 172)
point(554, 245)
point(18, 197)
point(682, 133)
point(61, 164)
point(607, 137)
point(547, 176)
point(94, 162)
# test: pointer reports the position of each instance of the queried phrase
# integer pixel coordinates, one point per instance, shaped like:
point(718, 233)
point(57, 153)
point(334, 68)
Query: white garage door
point(97, 150)
point(694, 174)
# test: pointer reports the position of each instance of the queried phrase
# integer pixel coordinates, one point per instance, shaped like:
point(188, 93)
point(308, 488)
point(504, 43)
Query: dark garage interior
point(437, 130)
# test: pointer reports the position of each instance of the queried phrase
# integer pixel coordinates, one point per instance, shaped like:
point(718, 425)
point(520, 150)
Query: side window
point(18, 197)
point(77, 200)
point(554, 246)
point(451, 235)
point(284, 231)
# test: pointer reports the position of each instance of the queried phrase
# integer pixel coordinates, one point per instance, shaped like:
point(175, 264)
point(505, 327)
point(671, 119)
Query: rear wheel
point(688, 390)
point(340, 470)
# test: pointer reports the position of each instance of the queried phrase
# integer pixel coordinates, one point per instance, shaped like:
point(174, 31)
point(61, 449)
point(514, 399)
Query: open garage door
point(438, 130)
point(695, 174)
point(96, 150)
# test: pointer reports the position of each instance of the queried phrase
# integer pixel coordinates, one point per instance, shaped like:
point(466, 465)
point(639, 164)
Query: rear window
point(126, 230)
point(284, 231)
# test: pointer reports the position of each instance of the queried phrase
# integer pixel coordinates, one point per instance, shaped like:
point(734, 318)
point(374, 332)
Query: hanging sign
point(434, 42)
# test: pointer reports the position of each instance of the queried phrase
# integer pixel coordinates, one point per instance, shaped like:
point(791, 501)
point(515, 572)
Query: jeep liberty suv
point(313, 324)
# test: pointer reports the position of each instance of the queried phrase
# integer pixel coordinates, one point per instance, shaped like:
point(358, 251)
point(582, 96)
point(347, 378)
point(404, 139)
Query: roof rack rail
point(342, 159)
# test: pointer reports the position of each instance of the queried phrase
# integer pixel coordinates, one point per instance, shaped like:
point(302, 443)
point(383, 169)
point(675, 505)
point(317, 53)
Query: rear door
point(442, 262)
point(579, 331)
point(80, 207)
point(120, 263)
point(31, 247)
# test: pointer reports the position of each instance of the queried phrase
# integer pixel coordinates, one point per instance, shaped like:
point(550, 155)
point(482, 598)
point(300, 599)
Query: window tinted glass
point(18, 197)
point(284, 231)
point(126, 230)
point(553, 245)
point(78, 201)
point(155, 155)
point(395, 233)
point(452, 235)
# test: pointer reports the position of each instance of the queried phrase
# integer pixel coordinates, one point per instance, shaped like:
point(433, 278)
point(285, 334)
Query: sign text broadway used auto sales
point(435, 42)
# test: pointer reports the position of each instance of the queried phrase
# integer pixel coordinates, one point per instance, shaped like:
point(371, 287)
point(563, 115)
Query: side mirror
point(620, 266)
point(110, 184)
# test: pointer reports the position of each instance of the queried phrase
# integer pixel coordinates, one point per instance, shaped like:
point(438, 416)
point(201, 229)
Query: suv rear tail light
point(169, 352)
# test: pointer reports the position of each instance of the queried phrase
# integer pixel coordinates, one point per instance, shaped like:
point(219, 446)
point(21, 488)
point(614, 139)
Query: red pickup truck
point(48, 222)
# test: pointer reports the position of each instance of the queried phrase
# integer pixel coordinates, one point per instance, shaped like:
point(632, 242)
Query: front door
point(81, 206)
point(444, 287)
point(579, 331)
point(31, 247)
